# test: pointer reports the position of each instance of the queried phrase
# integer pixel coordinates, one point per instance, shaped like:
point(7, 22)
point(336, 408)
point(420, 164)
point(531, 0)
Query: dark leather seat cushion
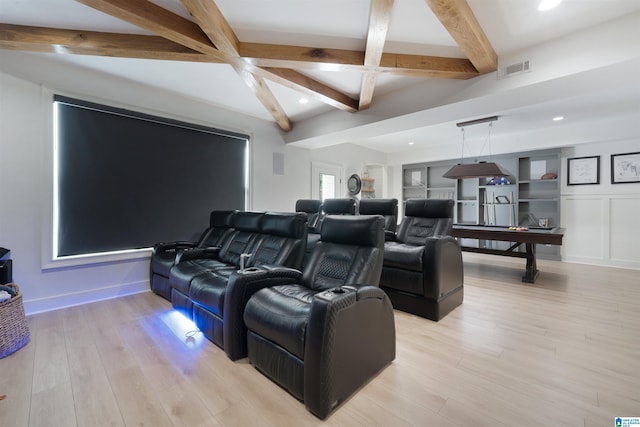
point(181, 274)
point(280, 314)
point(161, 262)
point(209, 289)
point(400, 255)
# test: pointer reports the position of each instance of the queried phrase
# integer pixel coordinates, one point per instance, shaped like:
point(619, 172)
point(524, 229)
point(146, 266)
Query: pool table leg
point(531, 271)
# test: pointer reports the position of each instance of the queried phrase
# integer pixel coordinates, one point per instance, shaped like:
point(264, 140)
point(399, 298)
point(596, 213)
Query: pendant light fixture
point(475, 170)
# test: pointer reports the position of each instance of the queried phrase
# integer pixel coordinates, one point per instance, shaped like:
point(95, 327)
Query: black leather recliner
point(423, 271)
point(325, 331)
point(164, 254)
point(312, 208)
point(388, 208)
point(212, 288)
point(340, 206)
point(344, 206)
point(190, 263)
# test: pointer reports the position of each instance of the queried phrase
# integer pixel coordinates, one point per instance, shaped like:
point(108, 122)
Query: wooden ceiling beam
point(41, 39)
point(459, 20)
point(218, 30)
point(162, 22)
point(312, 88)
point(214, 24)
point(281, 56)
point(379, 18)
point(54, 40)
point(216, 27)
point(427, 66)
point(306, 58)
point(259, 87)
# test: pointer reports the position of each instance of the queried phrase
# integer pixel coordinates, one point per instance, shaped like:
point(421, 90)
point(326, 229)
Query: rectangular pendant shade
point(475, 170)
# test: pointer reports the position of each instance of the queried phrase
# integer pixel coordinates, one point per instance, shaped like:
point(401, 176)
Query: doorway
point(326, 180)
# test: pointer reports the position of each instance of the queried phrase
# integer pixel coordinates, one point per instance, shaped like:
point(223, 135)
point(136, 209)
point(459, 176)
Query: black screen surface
point(127, 180)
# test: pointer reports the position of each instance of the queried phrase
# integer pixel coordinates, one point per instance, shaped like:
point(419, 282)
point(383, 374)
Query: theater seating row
point(423, 271)
point(320, 332)
point(204, 282)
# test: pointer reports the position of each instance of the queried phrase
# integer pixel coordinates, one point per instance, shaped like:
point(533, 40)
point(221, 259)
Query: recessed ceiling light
point(303, 100)
point(548, 4)
point(411, 142)
point(557, 118)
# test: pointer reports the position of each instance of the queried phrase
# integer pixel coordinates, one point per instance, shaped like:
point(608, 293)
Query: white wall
point(26, 178)
point(601, 220)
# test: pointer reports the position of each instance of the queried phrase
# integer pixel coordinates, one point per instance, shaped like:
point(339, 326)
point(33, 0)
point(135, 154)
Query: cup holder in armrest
point(250, 270)
point(335, 291)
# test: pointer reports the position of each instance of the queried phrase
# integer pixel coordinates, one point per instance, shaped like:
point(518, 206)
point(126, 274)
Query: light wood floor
point(562, 352)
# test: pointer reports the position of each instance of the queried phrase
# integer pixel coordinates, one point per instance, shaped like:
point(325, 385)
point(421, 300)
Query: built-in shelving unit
point(526, 199)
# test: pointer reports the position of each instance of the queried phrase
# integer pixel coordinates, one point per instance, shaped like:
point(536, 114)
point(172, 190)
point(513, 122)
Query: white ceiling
point(510, 25)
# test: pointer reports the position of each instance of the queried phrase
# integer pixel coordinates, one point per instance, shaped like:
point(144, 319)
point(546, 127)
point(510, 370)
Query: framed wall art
point(583, 170)
point(625, 168)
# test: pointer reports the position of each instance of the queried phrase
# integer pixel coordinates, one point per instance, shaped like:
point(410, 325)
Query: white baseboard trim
point(603, 262)
point(78, 298)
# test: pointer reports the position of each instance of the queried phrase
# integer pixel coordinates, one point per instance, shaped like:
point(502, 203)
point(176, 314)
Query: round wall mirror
point(354, 184)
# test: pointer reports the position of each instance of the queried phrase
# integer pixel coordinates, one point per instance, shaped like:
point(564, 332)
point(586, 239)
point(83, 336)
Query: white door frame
point(318, 168)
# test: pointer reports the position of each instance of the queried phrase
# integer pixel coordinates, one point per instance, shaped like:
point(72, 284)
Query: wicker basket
point(14, 332)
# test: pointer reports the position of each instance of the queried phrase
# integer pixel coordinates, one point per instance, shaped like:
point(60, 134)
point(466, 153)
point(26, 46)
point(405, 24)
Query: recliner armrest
point(365, 291)
point(432, 243)
point(241, 286)
point(389, 236)
point(210, 252)
point(443, 268)
point(350, 337)
point(169, 247)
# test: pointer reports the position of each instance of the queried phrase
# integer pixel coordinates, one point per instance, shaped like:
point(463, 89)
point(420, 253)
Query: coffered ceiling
point(260, 57)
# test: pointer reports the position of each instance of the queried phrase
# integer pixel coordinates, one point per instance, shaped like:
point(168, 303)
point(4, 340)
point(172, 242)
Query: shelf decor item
point(368, 187)
point(583, 170)
point(416, 178)
point(499, 180)
point(14, 331)
point(625, 168)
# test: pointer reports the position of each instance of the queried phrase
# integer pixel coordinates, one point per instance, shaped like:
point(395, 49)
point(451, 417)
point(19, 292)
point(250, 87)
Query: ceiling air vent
point(514, 69)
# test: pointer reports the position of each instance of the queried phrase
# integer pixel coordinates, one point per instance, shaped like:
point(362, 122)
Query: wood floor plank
point(94, 399)
point(51, 367)
point(184, 407)
point(16, 383)
point(138, 403)
point(53, 407)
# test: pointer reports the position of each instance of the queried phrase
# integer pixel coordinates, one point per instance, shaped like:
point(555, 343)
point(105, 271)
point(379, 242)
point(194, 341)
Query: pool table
point(529, 236)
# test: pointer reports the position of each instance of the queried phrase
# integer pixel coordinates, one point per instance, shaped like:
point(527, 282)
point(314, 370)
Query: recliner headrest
point(291, 225)
point(248, 221)
point(429, 208)
point(363, 230)
point(379, 206)
point(308, 205)
point(221, 218)
point(339, 206)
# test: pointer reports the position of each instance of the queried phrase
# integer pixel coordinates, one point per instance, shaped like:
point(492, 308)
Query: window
point(126, 180)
